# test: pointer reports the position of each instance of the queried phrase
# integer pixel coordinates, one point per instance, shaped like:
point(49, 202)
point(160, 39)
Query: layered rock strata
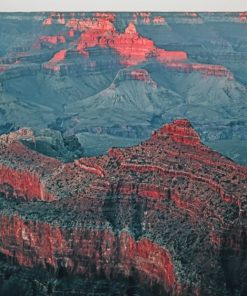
point(99, 31)
point(170, 210)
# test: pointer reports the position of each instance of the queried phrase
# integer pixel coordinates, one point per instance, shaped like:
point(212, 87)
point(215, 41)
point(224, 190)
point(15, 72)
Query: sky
point(123, 5)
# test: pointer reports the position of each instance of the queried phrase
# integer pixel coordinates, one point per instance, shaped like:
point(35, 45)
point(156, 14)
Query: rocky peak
point(131, 29)
point(23, 133)
point(181, 131)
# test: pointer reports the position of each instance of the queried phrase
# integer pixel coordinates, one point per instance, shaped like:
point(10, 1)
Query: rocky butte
point(133, 49)
point(170, 212)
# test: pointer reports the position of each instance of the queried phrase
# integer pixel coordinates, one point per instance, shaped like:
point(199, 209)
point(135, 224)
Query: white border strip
point(124, 5)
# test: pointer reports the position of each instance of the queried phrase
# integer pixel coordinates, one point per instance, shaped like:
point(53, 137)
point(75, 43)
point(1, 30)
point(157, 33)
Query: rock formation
point(130, 45)
point(52, 39)
point(243, 17)
point(204, 69)
point(169, 210)
point(132, 48)
point(189, 65)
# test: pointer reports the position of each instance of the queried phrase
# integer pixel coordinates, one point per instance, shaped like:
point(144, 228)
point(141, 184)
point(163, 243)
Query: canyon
point(170, 213)
point(122, 154)
point(138, 70)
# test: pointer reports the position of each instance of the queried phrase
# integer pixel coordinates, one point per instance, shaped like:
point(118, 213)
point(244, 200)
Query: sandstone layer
point(169, 210)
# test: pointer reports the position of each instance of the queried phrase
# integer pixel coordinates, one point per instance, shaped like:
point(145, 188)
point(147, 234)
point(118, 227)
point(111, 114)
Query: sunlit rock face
point(80, 213)
point(110, 79)
point(169, 213)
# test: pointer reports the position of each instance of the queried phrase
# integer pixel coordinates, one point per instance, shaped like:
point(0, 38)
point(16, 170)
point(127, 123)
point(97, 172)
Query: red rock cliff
point(166, 209)
point(133, 49)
